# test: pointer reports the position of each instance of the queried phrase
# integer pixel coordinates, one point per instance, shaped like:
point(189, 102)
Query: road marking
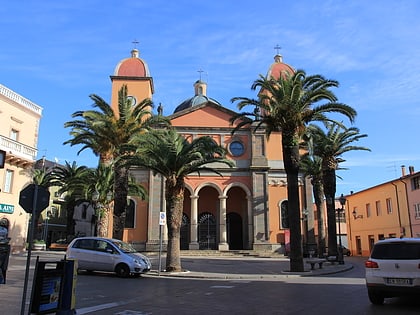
point(127, 312)
point(90, 309)
point(222, 286)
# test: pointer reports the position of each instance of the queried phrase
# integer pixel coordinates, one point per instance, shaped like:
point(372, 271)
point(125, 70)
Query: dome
point(278, 68)
point(132, 67)
point(199, 98)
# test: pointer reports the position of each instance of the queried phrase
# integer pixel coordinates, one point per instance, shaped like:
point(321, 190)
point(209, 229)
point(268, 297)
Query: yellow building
point(379, 212)
point(19, 126)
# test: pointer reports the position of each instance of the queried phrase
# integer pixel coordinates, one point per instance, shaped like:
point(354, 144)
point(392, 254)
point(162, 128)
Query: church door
point(207, 231)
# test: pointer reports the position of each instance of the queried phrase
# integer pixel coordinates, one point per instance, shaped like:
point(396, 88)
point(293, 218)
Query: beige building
point(19, 126)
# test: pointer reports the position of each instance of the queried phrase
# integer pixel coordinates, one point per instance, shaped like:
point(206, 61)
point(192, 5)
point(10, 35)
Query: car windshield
point(400, 250)
point(124, 247)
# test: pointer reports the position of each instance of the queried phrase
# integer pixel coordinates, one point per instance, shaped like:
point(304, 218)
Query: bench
point(332, 259)
point(314, 261)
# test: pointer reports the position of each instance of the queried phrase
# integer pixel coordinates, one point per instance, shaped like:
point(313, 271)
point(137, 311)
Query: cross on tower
point(200, 71)
point(135, 43)
point(277, 47)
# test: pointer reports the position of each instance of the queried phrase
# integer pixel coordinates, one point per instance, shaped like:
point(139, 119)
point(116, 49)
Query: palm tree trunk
point(318, 192)
point(174, 206)
point(291, 165)
point(120, 201)
point(103, 222)
point(329, 180)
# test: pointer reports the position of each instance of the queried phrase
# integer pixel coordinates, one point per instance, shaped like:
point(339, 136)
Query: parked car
point(346, 251)
point(393, 269)
point(104, 254)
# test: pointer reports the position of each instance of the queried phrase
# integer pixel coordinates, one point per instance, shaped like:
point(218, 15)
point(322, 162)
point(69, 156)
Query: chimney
point(411, 170)
point(403, 170)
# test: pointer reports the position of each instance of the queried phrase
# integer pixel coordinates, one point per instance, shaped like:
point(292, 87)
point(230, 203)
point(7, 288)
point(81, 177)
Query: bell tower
point(134, 73)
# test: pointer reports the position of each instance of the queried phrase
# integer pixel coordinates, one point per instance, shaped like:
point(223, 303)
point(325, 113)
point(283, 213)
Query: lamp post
point(304, 220)
point(342, 201)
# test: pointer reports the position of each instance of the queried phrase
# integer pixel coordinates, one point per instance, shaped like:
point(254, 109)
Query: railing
point(20, 99)
point(17, 148)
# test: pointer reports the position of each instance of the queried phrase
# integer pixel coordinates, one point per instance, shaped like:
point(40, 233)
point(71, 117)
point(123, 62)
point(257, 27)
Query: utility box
point(54, 287)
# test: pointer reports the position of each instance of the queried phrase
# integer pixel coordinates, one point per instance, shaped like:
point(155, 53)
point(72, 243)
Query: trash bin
point(4, 258)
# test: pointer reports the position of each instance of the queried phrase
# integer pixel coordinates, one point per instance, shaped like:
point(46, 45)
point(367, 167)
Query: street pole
point(339, 211)
point(340, 247)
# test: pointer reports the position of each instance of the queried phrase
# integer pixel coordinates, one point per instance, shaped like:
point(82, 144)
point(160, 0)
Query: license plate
point(399, 281)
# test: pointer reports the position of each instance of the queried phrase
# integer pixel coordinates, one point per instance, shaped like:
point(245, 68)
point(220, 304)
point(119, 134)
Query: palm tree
point(287, 105)
point(72, 180)
point(168, 153)
point(105, 132)
point(330, 145)
point(40, 177)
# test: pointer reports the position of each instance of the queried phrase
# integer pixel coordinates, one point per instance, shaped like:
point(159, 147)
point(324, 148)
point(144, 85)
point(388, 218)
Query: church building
point(246, 208)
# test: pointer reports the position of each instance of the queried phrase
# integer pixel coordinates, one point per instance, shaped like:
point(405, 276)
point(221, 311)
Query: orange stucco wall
point(367, 228)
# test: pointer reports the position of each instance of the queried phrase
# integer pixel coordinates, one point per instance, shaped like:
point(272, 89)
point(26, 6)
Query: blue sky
point(56, 53)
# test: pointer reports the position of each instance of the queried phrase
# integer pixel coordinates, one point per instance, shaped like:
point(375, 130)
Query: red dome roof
point(278, 68)
point(132, 67)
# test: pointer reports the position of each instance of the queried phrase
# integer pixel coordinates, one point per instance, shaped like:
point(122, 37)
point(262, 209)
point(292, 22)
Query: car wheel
point(122, 271)
point(375, 297)
point(348, 254)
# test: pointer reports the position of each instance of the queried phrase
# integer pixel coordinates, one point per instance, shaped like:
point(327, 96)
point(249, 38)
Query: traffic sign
point(162, 218)
point(28, 198)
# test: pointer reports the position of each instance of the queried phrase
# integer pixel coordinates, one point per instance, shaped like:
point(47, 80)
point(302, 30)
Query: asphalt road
point(101, 293)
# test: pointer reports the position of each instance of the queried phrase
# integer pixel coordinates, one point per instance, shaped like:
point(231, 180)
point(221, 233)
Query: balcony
point(17, 153)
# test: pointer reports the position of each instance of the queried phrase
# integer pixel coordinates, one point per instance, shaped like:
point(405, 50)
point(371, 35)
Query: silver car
point(105, 254)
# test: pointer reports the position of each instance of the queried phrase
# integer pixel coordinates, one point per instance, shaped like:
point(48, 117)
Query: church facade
point(246, 208)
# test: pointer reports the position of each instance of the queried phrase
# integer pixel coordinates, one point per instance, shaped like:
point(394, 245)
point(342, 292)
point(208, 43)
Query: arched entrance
point(185, 232)
point(207, 231)
point(234, 231)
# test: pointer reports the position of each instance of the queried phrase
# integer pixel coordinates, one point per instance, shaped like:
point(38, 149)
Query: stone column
point(194, 224)
point(250, 222)
point(223, 245)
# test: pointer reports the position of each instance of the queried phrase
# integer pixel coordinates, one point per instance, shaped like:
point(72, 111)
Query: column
point(194, 224)
point(250, 222)
point(223, 245)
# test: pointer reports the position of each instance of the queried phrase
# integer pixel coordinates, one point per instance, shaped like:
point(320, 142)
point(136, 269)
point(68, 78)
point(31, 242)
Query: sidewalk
point(247, 268)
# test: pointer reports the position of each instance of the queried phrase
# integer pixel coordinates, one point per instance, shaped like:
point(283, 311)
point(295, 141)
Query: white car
point(104, 254)
point(393, 269)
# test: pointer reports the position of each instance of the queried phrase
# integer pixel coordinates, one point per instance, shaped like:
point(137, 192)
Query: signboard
point(162, 218)
point(5, 208)
point(34, 195)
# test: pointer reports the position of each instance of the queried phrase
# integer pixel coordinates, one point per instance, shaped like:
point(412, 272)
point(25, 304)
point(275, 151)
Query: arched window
point(284, 214)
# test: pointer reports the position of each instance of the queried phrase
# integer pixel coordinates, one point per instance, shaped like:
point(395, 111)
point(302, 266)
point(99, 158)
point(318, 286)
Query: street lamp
point(342, 201)
point(304, 220)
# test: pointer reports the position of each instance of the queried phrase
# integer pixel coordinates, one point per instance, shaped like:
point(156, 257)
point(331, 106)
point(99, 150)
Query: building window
point(378, 208)
point(388, 206)
point(8, 181)
point(236, 148)
point(368, 210)
point(14, 134)
point(284, 215)
point(130, 215)
point(415, 183)
point(417, 211)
